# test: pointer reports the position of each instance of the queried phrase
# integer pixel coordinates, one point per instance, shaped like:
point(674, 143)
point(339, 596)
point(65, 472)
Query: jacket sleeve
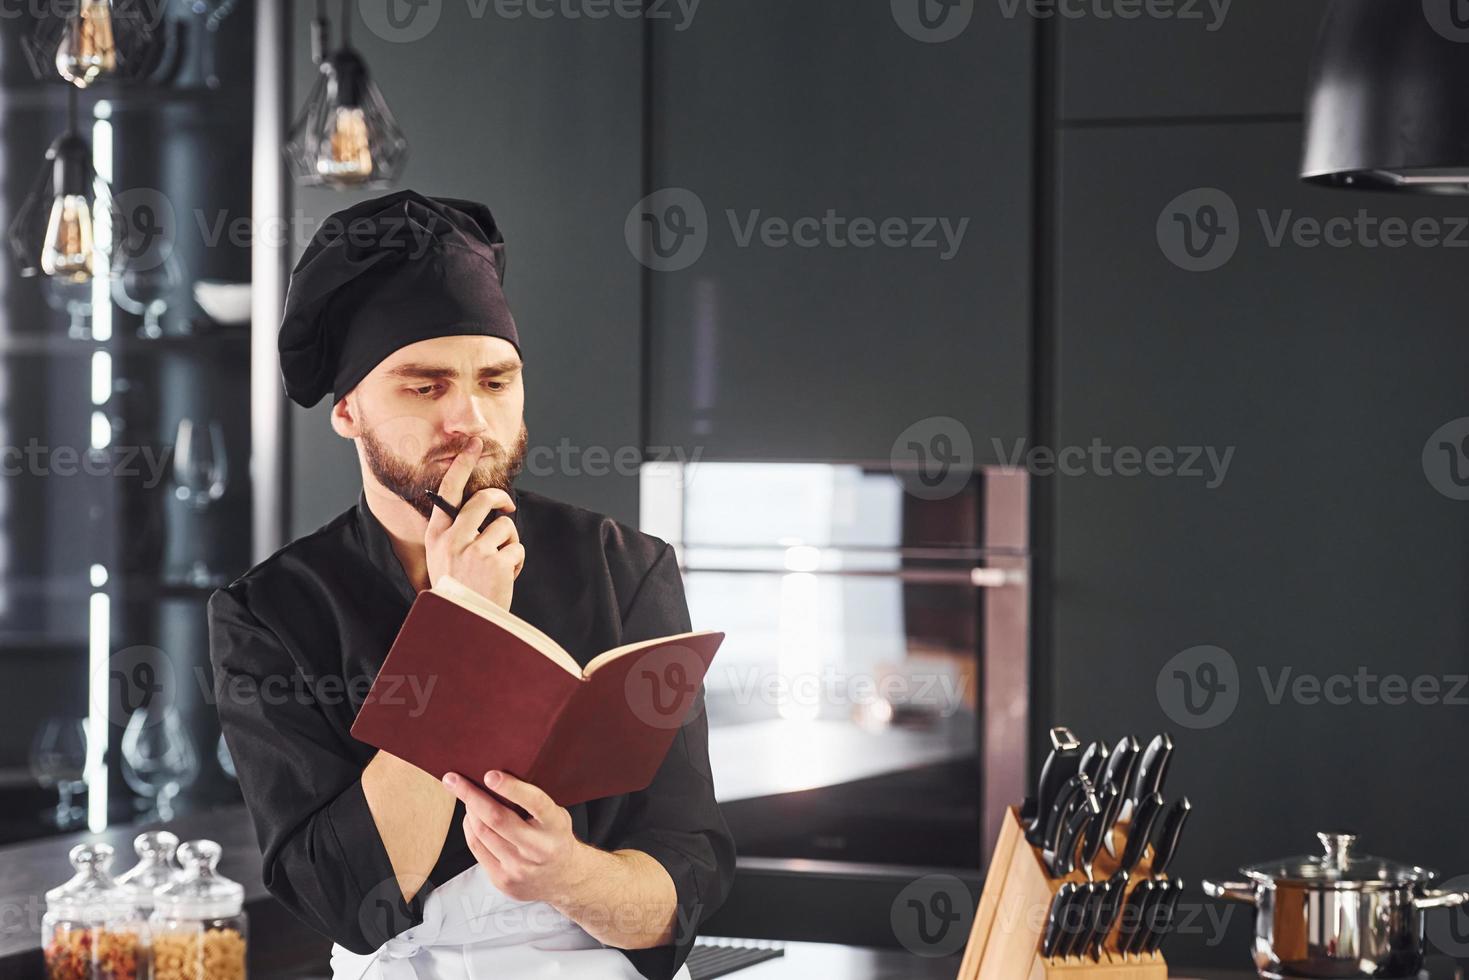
point(322, 856)
point(676, 819)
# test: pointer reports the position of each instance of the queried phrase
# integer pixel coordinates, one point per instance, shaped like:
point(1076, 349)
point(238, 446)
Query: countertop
point(28, 870)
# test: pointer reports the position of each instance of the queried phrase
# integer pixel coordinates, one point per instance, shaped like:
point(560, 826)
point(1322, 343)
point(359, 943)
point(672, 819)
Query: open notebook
point(468, 687)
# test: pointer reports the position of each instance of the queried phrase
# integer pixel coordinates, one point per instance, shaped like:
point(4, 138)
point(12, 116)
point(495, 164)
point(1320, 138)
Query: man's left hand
point(528, 860)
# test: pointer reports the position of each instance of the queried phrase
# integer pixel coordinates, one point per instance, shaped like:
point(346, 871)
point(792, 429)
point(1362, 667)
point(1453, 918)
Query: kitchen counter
point(28, 871)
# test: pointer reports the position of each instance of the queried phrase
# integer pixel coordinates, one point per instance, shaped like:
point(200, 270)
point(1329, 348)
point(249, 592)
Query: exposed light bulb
point(345, 149)
point(88, 48)
point(67, 252)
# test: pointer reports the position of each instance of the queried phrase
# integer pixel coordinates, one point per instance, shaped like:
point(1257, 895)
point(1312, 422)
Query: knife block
point(1005, 941)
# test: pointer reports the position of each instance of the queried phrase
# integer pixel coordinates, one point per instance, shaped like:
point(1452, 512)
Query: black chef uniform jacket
point(295, 643)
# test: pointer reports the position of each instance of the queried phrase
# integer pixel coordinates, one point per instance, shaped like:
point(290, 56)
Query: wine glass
point(75, 300)
point(145, 288)
point(200, 467)
point(158, 757)
point(201, 474)
point(59, 759)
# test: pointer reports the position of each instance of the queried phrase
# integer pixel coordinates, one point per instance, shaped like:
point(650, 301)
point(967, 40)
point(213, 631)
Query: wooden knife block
point(1005, 942)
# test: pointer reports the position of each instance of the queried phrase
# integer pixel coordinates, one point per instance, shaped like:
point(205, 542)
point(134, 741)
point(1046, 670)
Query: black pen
point(453, 511)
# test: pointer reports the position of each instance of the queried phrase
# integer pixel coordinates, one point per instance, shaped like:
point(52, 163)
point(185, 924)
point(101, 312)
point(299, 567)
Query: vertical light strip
point(99, 627)
point(99, 644)
point(101, 377)
point(102, 224)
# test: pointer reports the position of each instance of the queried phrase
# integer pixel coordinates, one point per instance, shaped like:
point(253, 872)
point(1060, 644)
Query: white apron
point(471, 931)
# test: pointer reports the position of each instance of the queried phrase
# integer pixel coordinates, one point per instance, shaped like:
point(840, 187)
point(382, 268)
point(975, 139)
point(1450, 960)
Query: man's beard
point(413, 480)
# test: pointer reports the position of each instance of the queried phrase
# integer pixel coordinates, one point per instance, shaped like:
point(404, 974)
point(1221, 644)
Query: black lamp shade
point(1388, 97)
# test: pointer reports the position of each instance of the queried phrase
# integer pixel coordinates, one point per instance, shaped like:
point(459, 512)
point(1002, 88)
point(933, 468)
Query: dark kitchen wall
point(1323, 547)
point(1327, 549)
point(769, 113)
point(541, 119)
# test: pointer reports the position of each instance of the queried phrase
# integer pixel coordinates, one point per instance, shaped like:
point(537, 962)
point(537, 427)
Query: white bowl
point(227, 303)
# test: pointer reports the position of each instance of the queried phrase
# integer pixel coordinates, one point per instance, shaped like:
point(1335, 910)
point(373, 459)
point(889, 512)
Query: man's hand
point(535, 860)
point(623, 898)
point(487, 561)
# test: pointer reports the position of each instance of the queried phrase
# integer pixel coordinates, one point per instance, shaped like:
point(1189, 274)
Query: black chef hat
point(385, 273)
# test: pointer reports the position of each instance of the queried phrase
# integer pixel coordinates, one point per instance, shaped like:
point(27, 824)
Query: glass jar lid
point(200, 892)
point(1340, 867)
point(91, 895)
point(155, 868)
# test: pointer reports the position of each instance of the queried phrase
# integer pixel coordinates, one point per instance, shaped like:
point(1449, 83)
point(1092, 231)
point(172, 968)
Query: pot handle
point(1440, 900)
point(1236, 891)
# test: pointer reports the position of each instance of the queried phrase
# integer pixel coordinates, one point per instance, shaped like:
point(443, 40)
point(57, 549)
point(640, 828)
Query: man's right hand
point(487, 561)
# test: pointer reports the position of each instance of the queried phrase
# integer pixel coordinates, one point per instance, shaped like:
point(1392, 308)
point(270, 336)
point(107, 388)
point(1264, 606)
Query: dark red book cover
point(464, 693)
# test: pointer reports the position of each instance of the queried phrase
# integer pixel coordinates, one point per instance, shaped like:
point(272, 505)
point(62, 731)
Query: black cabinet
point(1125, 59)
point(1327, 549)
point(861, 200)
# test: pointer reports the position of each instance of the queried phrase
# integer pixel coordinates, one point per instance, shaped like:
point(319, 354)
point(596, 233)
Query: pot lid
point(1339, 865)
point(200, 892)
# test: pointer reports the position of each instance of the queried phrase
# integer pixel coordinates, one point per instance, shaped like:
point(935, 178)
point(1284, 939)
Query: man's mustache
point(489, 447)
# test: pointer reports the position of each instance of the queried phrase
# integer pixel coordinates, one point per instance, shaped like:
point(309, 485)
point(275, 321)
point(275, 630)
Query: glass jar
point(155, 868)
point(198, 926)
point(91, 931)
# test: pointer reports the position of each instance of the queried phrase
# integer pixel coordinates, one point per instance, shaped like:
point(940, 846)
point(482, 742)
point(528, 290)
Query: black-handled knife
point(1076, 919)
point(1130, 924)
point(1099, 827)
point(1170, 830)
point(1152, 769)
point(1093, 759)
point(1116, 890)
point(1140, 834)
point(1063, 857)
point(1120, 767)
point(1061, 765)
point(1162, 920)
point(1067, 801)
point(1056, 922)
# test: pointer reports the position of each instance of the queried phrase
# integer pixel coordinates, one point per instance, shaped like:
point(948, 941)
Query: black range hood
point(1388, 98)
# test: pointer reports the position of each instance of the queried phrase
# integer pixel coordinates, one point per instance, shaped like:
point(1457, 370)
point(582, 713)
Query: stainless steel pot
point(1337, 915)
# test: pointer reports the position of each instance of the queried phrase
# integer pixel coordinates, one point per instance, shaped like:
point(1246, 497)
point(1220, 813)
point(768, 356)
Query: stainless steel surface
point(1338, 915)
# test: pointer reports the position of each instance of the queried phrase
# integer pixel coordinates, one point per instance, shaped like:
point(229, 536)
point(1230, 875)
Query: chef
point(395, 310)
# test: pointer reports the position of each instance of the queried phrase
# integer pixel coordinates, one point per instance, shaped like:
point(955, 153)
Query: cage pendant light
point(69, 215)
point(345, 136)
